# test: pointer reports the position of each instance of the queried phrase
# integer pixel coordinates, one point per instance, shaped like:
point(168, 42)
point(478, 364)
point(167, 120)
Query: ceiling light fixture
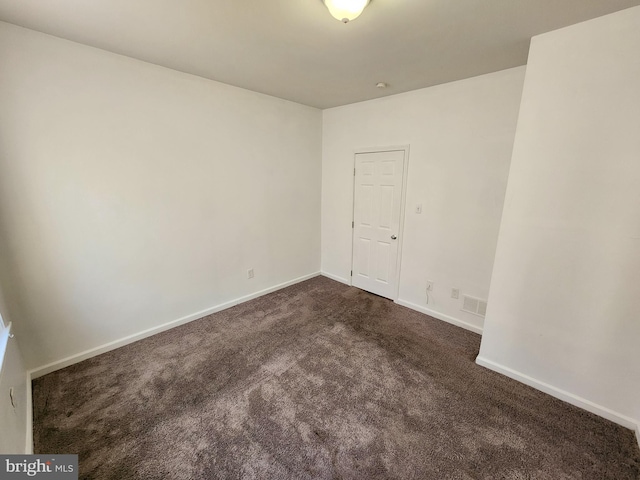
point(345, 10)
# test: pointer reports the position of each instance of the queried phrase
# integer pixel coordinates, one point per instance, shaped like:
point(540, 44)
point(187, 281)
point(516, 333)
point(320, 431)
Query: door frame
point(403, 201)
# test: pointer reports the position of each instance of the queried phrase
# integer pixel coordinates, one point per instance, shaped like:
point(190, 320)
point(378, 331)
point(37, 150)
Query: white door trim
point(405, 174)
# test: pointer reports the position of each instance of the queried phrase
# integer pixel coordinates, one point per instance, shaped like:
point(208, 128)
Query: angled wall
point(563, 308)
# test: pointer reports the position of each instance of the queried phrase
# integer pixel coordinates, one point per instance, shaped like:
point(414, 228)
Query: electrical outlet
point(250, 273)
point(455, 293)
point(429, 286)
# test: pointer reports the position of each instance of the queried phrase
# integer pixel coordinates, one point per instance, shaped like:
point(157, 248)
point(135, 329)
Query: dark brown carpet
point(317, 381)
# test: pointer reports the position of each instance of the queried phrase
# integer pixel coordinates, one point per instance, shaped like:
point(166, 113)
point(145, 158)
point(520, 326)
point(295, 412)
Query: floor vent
point(474, 305)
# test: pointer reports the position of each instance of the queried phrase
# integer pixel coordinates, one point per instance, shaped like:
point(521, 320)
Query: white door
point(376, 221)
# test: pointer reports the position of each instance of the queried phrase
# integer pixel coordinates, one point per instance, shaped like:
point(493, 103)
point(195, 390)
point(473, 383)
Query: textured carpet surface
point(317, 381)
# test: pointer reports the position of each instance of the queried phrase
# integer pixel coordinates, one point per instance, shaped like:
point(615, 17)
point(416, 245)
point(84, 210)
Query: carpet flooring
point(317, 381)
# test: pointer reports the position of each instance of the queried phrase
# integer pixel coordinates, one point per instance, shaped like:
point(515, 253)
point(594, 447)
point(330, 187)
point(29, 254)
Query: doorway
point(378, 213)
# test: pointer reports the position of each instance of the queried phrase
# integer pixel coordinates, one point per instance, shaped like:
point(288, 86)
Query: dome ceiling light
point(345, 10)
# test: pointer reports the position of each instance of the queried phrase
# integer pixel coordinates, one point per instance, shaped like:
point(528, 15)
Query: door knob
point(393, 237)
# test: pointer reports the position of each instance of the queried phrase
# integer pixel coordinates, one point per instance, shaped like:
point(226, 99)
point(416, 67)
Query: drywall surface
point(461, 137)
point(13, 397)
point(563, 306)
point(13, 378)
point(132, 195)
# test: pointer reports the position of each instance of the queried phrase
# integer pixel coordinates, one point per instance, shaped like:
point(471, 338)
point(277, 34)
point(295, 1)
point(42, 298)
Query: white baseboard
point(638, 433)
point(28, 447)
point(561, 394)
point(336, 278)
point(65, 362)
point(427, 311)
point(440, 316)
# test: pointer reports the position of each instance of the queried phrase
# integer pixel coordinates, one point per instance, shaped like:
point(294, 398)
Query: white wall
point(13, 416)
point(13, 376)
point(132, 195)
point(563, 308)
point(461, 137)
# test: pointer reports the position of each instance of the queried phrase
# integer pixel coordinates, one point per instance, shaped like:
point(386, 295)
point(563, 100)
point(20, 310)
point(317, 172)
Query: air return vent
point(474, 305)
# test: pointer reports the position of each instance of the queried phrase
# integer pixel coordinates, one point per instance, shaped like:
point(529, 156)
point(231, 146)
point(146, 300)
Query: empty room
point(320, 239)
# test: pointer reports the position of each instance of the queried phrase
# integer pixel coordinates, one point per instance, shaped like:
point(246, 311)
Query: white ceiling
point(294, 49)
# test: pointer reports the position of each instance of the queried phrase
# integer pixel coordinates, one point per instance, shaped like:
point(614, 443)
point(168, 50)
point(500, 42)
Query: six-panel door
point(377, 207)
